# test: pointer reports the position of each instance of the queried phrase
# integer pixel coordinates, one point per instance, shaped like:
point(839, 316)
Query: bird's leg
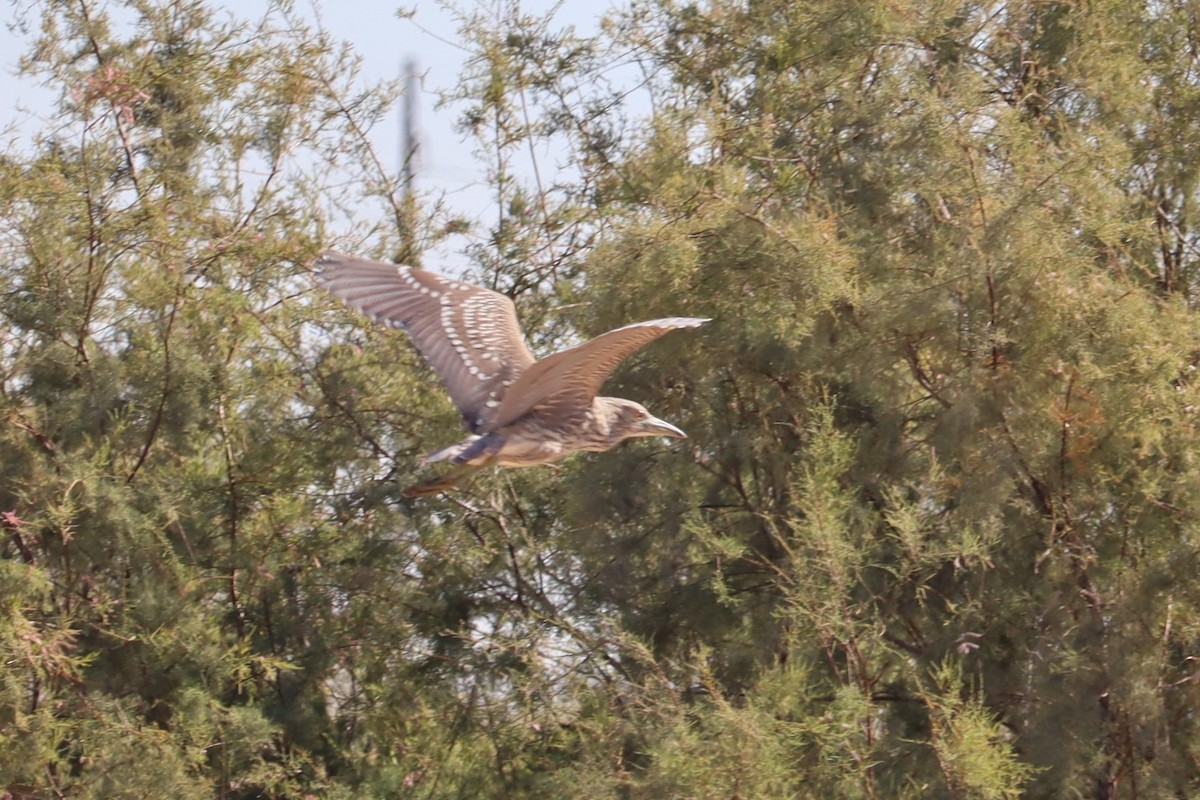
point(440, 483)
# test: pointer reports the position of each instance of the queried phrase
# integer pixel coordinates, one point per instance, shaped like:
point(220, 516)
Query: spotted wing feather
point(468, 334)
point(571, 378)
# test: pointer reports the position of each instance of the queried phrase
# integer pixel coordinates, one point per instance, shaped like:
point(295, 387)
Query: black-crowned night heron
point(520, 411)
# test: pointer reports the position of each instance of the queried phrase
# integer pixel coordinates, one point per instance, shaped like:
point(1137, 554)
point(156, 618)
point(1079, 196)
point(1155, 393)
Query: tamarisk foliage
point(934, 533)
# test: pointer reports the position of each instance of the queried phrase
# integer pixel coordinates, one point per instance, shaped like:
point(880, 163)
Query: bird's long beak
point(653, 426)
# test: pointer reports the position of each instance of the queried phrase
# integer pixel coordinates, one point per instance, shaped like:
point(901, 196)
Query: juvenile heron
point(520, 411)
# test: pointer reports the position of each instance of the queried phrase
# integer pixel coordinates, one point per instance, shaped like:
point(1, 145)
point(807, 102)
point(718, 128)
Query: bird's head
point(632, 419)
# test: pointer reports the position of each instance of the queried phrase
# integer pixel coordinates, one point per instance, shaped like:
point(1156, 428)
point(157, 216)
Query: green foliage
point(972, 749)
point(934, 532)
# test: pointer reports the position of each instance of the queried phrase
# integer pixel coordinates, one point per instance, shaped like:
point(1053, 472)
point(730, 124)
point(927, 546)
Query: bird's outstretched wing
point(468, 334)
point(572, 377)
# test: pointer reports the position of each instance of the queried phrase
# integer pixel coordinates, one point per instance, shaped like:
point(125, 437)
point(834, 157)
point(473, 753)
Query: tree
point(931, 536)
point(163, 534)
point(947, 422)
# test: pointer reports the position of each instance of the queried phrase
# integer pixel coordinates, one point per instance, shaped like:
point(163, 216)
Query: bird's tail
point(450, 452)
point(475, 451)
point(440, 483)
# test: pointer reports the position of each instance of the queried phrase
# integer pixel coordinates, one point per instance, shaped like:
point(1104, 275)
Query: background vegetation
point(935, 533)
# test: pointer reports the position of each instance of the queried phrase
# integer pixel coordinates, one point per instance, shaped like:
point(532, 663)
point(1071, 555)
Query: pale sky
point(385, 41)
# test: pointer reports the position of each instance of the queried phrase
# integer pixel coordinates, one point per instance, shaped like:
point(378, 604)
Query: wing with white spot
point(468, 334)
point(572, 377)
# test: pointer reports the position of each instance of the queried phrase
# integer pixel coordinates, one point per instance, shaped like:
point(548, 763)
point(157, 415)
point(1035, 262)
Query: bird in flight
point(520, 410)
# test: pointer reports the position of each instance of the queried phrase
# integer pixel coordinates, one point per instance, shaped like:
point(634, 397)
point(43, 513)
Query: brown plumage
point(520, 411)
